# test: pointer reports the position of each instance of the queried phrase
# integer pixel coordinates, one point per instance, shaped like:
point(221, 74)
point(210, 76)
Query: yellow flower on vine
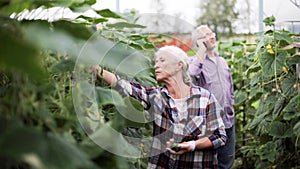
point(284, 69)
point(270, 51)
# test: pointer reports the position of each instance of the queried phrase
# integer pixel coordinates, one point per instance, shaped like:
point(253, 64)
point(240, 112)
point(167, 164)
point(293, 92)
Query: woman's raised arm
point(107, 76)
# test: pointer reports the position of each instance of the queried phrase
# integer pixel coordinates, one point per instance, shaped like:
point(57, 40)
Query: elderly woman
point(182, 113)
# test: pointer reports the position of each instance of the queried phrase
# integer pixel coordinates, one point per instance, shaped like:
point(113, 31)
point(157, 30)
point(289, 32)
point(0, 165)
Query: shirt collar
point(194, 90)
point(216, 54)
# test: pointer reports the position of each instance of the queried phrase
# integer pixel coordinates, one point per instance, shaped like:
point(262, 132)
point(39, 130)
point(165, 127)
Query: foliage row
point(266, 78)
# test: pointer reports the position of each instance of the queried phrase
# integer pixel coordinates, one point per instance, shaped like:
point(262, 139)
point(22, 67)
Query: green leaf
point(17, 6)
point(136, 37)
point(126, 61)
point(292, 109)
point(40, 150)
point(225, 45)
point(262, 117)
point(93, 20)
point(293, 60)
point(149, 46)
point(257, 120)
point(90, 2)
point(136, 46)
point(19, 55)
point(133, 113)
point(57, 3)
point(267, 103)
point(113, 141)
point(108, 96)
point(75, 30)
point(66, 65)
point(272, 64)
point(296, 129)
point(120, 58)
point(91, 148)
point(107, 13)
point(279, 105)
point(43, 37)
point(121, 25)
point(288, 86)
point(81, 3)
point(118, 121)
point(267, 151)
point(255, 92)
point(283, 36)
point(238, 42)
point(266, 39)
point(269, 21)
point(253, 69)
point(280, 130)
point(240, 97)
point(237, 49)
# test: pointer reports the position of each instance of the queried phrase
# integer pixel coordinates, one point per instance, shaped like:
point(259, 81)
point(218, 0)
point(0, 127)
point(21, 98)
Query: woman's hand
point(180, 148)
point(101, 73)
point(96, 70)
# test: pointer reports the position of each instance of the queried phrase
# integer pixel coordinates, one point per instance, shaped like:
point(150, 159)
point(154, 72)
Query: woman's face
point(165, 67)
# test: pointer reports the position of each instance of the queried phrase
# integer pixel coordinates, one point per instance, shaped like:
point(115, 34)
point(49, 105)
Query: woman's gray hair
point(196, 34)
point(179, 55)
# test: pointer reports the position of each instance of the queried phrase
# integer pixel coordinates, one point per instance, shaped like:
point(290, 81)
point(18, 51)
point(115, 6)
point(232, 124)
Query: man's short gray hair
point(196, 34)
point(179, 55)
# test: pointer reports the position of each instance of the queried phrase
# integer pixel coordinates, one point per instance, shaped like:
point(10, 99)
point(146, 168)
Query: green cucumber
point(175, 147)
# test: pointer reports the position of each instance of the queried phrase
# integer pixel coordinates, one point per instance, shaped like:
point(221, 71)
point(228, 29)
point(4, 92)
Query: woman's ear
point(180, 65)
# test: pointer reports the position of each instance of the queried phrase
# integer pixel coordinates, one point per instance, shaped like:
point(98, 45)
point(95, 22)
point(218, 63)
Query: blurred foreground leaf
point(17, 54)
point(39, 149)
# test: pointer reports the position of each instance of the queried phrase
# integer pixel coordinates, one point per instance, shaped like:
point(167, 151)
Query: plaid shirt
point(203, 120)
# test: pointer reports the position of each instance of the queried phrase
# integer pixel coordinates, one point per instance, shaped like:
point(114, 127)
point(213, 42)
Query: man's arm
point(195, 66)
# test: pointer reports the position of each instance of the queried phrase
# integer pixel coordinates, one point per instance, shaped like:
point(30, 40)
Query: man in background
point(211, 71)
